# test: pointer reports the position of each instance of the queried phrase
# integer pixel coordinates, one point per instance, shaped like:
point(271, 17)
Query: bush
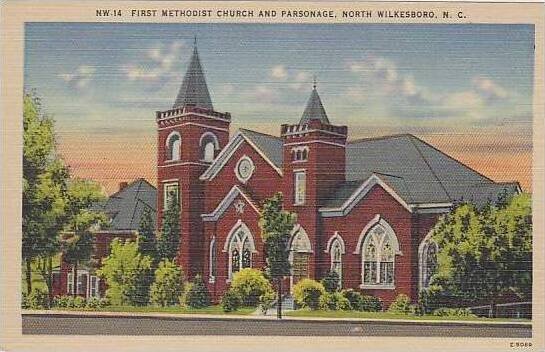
point(63, 301)
point(168, 285)
point(334, 301)
point(307, 293)
point(93, 303)
point(362, 303)
point(24, 301)
point(331, 281)
point(104, 302)
point(266, 301)
point(434, 297)
point(250, 284)
point(231, 301)
point(453, 312)
point(401, 305)
point(37, 299)
point(197, 295)
point(79, 302)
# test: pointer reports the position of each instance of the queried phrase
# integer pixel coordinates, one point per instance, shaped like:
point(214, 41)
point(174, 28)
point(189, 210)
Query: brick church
point(364, 207)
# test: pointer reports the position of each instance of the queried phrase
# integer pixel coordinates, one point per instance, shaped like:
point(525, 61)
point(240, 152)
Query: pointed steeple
point(194, 90)
point(314, 109)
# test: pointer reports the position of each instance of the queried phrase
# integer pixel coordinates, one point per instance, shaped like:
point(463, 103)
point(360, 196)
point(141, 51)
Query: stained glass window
point(336, 259)
point(240, 252)
point(378, 257)
point(429, 262)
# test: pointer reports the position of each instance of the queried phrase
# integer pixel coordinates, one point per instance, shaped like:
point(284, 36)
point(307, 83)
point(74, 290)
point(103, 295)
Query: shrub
point(63, 301)
point(266, 301)
point(37, 299)
point(250, 284)
point(334, 301)
point(79, 302)
point(24, 301)
point(331, 281)
point(231, 301)
point(362, 303)
point(197, 295)
point(307, 293)
point(167, 287)
point(433, 297)
point(371, 304)
point(453, 312)
point(401, 305)
point(93, 303)
point(104, 302)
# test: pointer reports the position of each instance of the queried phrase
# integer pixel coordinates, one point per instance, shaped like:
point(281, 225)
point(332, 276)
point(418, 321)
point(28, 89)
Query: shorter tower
point(190, 135)
point(314, 163)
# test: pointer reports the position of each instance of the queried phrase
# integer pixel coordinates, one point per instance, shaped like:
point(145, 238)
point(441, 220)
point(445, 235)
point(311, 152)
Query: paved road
point(111, 325)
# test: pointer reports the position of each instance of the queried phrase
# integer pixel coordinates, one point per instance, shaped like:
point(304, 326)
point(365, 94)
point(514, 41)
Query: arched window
point(305, 154)
point(427, 253)
point(240, 248)
point(378, 255)
point(174, 144)
point(209, 144)
point(212, 261)
point(336, 260)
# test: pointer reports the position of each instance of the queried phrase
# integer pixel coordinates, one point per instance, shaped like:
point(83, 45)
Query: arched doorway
point(300, 252)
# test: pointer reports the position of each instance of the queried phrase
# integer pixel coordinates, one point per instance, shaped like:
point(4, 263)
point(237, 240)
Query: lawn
point(386, 315)
point(217, 309)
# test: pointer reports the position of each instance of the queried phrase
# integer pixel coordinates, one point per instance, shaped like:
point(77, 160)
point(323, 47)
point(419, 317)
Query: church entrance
point(300, 252)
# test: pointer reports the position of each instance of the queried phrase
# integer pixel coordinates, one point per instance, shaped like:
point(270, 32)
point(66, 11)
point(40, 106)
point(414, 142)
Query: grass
point(387, 315)
point(217, 309)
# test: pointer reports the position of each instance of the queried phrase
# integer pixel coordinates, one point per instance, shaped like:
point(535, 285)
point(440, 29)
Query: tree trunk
point(75, 280)
point(279, 302)
point(493, 309)
point(28, 276)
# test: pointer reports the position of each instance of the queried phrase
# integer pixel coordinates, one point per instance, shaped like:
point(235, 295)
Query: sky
point(466, 89)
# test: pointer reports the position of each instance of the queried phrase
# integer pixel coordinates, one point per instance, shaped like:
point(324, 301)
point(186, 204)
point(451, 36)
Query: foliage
point(266, 301)
point(231, 301)
point(334, 301)
point(168, 284)
point(197, 295)
point(307, 293)
point(486, 253)
point(124, 269)
point(401, 305)
point(434, 297)
point(37, 299)
point(362, 303)
point(250, 284)
point(331, 281)
point(93, 303)
point(147, 243)
point(453, 312)
point(79, 302)
point(169, 242)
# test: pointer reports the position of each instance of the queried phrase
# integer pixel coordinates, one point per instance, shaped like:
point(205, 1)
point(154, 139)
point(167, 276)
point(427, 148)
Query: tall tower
point(314, 162)
point(189, 137)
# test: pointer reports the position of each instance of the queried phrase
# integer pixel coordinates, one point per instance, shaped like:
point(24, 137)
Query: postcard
point(305, 175)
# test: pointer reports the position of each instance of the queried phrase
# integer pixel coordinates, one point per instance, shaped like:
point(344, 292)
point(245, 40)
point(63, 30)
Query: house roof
point(271, 146)
point(314, 109)
point(126, 207)
point(194, 90)
point(418, 172)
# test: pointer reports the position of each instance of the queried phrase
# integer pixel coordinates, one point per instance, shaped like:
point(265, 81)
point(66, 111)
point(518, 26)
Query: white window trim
point(301, 149)
point(233, 234)
point(421, 250)
point(165, 187)
point(212, 253)
point(214, 141)
point(239, 176)
point(299, 202)
point(167, 142)
point(337, 242)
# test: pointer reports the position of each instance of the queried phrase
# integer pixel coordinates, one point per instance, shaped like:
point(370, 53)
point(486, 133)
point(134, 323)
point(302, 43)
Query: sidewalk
point(183, 316)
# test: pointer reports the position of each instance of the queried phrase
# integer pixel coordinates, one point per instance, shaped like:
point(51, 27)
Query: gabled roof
point(126, 207)
point(269, 147)
point(416, 171)
point(227, 201)
point(314, 109)
point(194, 90)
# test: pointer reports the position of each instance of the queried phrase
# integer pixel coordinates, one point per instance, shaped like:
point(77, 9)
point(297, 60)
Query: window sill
point(172, 161)
point(377, 287)
point(298, 204)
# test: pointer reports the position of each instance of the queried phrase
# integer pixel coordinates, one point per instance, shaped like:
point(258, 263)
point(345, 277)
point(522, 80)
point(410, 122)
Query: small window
point(212, 263)
point(94, 286)
point(209, 151)
point(208, 144)
point(300, 187)
point(174, 144)
point(336, 260)
point(300, 153)
point(171, 193)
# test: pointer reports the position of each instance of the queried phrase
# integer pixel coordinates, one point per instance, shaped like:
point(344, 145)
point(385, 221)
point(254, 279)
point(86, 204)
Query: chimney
point(122, 185)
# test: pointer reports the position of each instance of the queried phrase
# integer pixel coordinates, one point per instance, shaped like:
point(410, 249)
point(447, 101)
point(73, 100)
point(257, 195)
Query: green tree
point(169, 242)
point(77, 241)
point(168, 285)
point(331, 281)
point(147, 243)
point(276, 225)
point(44, 178)
point(486, 253)
point(197, 294)
point(123, 270)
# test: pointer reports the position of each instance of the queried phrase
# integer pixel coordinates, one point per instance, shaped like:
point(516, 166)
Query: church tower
point(314, 163)
point(189, 136)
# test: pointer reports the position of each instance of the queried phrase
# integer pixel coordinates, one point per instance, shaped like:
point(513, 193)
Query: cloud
point(488, 89)
point(158, 63)
point(295, 79)
point(279, 72)
point(80, 77)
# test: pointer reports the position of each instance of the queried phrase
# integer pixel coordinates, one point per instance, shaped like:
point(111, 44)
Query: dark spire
point(314, 109)
point(194, 90)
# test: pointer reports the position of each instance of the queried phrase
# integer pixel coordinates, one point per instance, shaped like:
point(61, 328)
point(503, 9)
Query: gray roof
point(126, 207)
point(417, 171)
point(271, 146)
point(314, 109)
point(194, 90)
